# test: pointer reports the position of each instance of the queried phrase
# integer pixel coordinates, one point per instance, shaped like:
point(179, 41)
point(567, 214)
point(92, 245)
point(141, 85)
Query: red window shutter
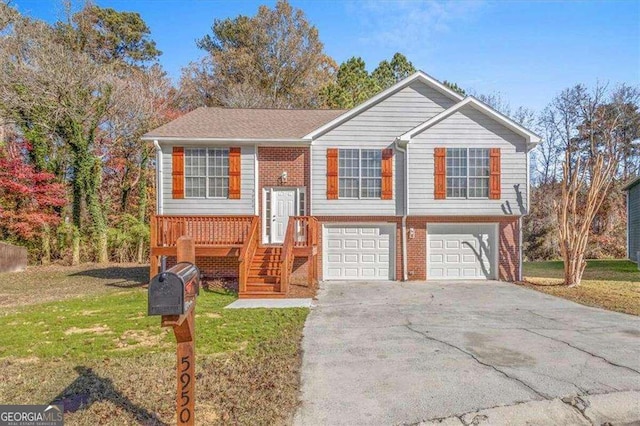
point(234, 173)
point(494, 174)
point(440, 174)
point(332, 173)
point(387, 174)
point(177, 173)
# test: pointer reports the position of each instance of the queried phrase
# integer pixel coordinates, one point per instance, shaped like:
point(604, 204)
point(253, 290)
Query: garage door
point(355, 252)
point(461, 251)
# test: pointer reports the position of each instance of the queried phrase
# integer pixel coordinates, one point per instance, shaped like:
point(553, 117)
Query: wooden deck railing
point(302, 232)
point(246, 254)
point(206, 230)
point(305, 231)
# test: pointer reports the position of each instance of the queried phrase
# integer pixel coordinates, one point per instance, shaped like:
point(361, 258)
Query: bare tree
point(588, 125)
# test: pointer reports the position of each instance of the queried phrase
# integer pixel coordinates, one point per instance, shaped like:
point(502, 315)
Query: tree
point(273, 59)
point(453, 86)
point(109, 36)
point(353, 86)
point(591, 127)
point(389, 73)
point(28, 198)
point(59, 84)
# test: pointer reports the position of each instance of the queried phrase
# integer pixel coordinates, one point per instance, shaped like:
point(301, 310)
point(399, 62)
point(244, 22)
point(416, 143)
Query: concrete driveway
point(466, 352)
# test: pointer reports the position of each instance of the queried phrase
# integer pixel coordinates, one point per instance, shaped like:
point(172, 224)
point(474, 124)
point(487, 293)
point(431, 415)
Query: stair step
point(267, 256)
point(269, 250)
point(253, 286)
point(262, 279)
point(262, 270)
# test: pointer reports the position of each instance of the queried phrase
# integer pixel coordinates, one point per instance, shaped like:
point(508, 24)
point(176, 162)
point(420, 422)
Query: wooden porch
point(264, 271)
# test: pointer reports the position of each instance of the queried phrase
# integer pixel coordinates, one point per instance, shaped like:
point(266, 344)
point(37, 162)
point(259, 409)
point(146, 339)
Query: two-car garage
point(367, 251)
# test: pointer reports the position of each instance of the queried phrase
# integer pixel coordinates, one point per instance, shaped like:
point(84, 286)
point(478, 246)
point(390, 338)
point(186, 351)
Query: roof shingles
point(244, 123)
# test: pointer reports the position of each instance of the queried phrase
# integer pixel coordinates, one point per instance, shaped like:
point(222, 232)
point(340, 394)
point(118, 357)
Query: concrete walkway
point(269, 303)
point(465, 353)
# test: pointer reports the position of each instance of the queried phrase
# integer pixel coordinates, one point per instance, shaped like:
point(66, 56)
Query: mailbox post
point(172, 294)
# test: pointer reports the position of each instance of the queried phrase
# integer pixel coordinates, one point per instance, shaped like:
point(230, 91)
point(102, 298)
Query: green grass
point(608, 284)
point(117, 324)
point(95, 344)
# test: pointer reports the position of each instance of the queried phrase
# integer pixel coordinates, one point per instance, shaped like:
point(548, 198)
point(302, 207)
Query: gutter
point(405, 262)
point(248, 141)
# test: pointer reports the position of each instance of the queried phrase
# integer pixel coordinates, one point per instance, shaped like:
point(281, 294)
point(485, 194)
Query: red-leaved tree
point(28, 199)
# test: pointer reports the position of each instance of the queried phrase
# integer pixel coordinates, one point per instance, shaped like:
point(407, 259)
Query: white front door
point(284, 205)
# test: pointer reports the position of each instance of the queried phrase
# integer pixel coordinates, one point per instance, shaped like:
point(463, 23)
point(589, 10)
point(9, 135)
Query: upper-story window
point(360, 173)
point(467, 173)
point(206, 172)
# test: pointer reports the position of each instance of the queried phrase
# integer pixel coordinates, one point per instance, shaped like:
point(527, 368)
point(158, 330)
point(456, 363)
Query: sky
point(528, 51)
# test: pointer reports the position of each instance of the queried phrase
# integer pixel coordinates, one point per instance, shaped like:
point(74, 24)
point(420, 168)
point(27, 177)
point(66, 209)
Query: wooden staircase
point(265, 271)
point(263, 279)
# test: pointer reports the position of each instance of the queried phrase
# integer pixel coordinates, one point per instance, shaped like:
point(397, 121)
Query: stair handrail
point(287, 256)
point(247, 252)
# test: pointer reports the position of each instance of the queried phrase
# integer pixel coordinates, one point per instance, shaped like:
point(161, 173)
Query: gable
point(468, 125)
point(392, 116)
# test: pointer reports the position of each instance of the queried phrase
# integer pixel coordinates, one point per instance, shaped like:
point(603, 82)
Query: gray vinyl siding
point(376, 127)
point(209, 206)
point(468, 128)
point(633, 222)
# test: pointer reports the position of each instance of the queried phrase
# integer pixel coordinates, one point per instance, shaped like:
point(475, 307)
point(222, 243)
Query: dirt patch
point(131, 339)
point(98, 329)
point(209, 315)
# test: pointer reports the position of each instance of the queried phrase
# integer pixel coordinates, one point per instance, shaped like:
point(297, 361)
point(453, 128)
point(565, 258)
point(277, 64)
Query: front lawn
point(112, 364)
point(608, 284)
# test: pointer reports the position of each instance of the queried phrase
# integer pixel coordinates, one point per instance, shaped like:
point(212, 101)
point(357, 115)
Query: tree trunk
point(102, 250)
point(98, 221)
point(75, 246)
point(142, 202)
point(46, 245)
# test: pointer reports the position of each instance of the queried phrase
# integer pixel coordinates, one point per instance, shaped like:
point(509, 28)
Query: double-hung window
point(467, 173)
point(206, 172)
point(360, 173)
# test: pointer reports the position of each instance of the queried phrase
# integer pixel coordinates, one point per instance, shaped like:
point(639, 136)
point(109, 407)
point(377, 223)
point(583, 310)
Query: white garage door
point(355, 252)
point(461, 251)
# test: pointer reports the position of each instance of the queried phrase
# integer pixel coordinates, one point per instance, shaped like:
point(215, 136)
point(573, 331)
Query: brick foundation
point(214, 267)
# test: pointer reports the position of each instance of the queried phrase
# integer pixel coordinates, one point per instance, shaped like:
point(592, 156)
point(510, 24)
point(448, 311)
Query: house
point(416, 183)
point(633, 219)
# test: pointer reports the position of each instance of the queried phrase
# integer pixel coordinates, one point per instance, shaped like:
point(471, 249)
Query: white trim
point(418, 76)
point(392, 248)
point(256, 181)
point(159, 183)
point(631, 183)
point(277, 142)
point(267, 191)
point(532, 138)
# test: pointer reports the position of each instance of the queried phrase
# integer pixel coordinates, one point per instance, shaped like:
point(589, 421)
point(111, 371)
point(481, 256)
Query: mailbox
point(173, 291)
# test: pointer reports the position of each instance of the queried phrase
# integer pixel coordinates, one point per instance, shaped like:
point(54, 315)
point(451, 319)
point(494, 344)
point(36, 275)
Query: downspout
point(405, 262)
point(158, 176)
point(159, 193)
point(526, 213)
